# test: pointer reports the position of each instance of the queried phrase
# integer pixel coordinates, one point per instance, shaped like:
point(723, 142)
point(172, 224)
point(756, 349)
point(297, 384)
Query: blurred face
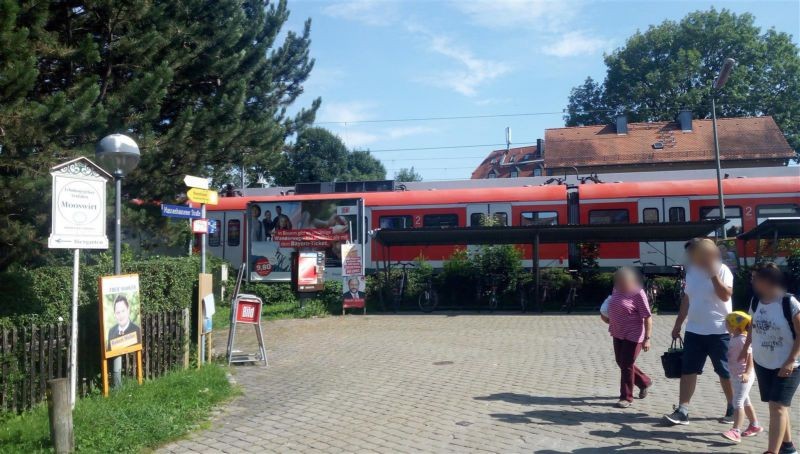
point(278, 210)
point(705, 256)
point(267, 215)
point(255, 211)
point(353, 285)
point(625, 283)
point(764, 288)
point(122, 313)
point(731, 329)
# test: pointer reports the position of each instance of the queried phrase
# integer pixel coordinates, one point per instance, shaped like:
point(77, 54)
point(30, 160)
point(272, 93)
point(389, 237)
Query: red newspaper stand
point(246, 311)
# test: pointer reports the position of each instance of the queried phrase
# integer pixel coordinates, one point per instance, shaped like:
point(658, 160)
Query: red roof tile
point(739, 139)
point(504, 165)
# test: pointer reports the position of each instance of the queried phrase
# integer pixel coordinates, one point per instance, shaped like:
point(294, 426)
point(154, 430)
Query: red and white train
point(748, 201)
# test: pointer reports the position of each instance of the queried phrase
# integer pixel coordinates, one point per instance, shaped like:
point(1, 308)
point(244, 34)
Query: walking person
point(630, 323)
point(740, 363)
point(776, 347)
point(705, 304)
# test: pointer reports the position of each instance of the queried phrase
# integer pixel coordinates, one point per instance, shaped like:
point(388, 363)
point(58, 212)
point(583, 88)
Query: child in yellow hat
point(742, 378)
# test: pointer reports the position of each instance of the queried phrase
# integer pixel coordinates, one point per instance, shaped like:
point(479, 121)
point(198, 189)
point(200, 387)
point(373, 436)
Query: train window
point(538, 218)
point(650, 216)
point(501, 218)
point(788, 210)
point(440, 220)
point(677, 214)
point(476, 219)
point(609, 217)
point(733, 214)
point(396, 222)
point(234, 232)
point(214, 238)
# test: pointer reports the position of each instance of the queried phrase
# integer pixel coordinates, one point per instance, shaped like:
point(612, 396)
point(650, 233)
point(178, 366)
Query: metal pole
point(116, 367)
point(203, 241)
point(536, 272)
point(720, 195)
point(73, 345)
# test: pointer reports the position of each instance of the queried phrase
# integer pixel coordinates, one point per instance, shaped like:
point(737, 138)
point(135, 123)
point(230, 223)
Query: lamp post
point(119, 155)
point(719, 82)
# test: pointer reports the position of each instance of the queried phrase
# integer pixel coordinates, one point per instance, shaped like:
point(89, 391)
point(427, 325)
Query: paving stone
point(456, 382)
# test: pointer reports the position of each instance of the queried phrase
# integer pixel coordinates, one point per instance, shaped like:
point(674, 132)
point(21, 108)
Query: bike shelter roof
point(774, 228)
point(595, 233)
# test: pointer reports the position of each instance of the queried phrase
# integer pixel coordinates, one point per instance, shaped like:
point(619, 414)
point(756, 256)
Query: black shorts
point(777, 389)
point(698, 347)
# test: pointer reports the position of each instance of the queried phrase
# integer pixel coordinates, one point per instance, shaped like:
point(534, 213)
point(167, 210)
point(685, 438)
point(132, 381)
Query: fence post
point(60, 411)
point(187, 327)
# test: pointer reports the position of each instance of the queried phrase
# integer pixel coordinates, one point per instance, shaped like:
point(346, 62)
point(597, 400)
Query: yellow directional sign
point(206, 196)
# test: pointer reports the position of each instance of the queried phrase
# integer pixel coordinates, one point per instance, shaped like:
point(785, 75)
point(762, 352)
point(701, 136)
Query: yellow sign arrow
point(206, 196)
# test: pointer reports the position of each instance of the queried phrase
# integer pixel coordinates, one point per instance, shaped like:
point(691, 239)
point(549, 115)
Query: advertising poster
point(276, 229)
point(120, 314)
point(352, 263)
point(355, 293)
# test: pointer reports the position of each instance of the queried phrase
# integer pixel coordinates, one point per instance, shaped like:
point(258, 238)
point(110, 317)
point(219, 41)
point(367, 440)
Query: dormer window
point(527, 157)
point(491, 174)
point(494, 161)
point(514, 173)
point(511, 159)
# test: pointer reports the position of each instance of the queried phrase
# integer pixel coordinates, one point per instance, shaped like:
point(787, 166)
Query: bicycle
point(648, 284)
point(428, 298)
point(680, 285)
point(492, 298)
point(572, 294)
point(399, 289)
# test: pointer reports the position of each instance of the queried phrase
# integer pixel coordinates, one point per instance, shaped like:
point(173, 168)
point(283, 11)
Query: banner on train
point(276, 229)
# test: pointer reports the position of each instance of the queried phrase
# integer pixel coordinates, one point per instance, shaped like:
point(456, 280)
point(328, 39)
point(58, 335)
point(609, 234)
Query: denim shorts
point(777, 389)
point(698, 347)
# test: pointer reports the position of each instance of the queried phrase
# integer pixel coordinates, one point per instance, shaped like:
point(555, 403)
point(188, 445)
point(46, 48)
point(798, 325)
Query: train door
point(216, 242)
point(656, 210)
point(234, 238)
point(500, 213)
point(677, 210)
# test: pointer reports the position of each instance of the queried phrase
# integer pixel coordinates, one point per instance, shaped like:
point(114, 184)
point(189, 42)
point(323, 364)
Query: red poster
point(248, 312)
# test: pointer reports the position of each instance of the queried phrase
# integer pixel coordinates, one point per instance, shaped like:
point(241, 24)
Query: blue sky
point(391, 59)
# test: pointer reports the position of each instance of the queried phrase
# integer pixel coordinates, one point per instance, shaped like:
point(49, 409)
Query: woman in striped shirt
point(630, 323)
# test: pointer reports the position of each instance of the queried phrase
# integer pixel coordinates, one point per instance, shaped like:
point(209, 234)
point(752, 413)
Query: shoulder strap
point(787, 312)
point(753, 304)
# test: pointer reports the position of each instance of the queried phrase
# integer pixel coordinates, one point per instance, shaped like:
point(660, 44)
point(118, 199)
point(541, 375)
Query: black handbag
point(673, 358)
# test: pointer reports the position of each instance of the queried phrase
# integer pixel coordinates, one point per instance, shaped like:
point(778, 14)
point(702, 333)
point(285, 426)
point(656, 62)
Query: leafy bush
point(42, 295)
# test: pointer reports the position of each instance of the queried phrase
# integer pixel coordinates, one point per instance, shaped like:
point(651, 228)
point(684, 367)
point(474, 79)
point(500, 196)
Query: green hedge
point(42, 295)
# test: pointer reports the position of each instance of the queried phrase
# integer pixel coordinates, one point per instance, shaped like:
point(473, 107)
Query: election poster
point(354, 292)
point(120, 314)
point(277, 229)
point(352, 260)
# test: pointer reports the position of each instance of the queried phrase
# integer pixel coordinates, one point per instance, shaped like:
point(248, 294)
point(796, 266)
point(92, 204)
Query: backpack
point(787, 310)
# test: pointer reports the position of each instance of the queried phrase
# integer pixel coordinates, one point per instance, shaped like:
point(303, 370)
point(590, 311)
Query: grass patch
point(133, 418)
point(277, 311)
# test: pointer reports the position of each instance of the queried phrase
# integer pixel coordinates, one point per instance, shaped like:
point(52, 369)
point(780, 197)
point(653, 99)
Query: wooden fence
point(31, 355)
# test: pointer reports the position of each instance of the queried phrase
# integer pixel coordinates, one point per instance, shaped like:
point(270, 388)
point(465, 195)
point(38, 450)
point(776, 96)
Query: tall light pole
point(119, 155)
point(720, 81)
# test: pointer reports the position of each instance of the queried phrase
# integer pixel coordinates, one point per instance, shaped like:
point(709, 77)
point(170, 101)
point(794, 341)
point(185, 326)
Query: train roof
point(772, 185)
point(553, 193)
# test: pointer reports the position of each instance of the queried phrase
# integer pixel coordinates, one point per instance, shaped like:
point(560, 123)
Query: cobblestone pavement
point(456, 383)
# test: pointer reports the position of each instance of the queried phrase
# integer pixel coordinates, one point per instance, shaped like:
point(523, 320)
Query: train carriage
point(748, 201)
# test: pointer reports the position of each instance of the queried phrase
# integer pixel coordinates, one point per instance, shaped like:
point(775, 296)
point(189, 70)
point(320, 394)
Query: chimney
point(539, 148)
point(685, 120)
point(622, 125)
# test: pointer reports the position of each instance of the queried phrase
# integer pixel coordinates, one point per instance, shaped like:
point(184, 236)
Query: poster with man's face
point(354, 291)
point(120, 314)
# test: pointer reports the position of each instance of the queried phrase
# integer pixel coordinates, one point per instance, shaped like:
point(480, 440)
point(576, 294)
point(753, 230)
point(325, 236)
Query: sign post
point(199, 193)
point(78, 222)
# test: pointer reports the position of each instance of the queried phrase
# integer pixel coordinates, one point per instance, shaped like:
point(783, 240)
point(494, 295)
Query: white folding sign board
point(78, 206)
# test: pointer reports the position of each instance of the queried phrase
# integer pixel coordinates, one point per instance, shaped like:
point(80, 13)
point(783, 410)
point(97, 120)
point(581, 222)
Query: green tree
point(201, 89)
point(320, 155)
point(671, 66)
point(362, 166)
point(407, 174)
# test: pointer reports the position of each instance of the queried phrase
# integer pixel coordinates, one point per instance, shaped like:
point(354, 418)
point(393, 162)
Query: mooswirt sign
point(79, 206)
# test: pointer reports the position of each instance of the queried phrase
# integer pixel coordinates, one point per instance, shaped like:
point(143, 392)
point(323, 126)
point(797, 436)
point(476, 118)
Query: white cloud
point(529, 14)
point(345, 112)
point(473, 71)
point(363, 136)
point(358, 139)
point(574, 44)
point(370, 12)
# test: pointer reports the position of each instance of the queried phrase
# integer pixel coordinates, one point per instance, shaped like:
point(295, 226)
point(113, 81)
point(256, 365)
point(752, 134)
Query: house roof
point(739, 139)
point(521, 158)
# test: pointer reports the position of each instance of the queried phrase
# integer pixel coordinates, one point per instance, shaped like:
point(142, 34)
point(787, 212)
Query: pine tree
point(201, 88)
